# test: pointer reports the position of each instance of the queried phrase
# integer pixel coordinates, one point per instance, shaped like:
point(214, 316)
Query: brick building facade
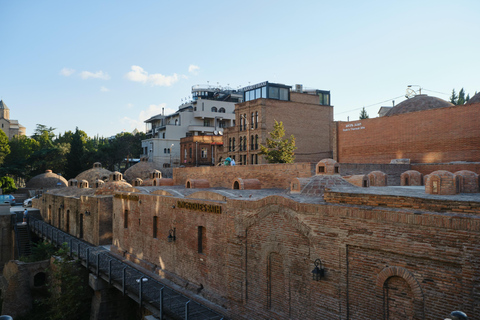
point(428, 136)
point(254, 257)
point(306, 115)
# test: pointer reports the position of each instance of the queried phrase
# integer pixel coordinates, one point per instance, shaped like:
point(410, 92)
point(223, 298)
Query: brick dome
point(474, 99)
point(141, 170)
point(327, 166)
point(91, 175)
point(418, 103)
point(47, 180)
point(115, 183)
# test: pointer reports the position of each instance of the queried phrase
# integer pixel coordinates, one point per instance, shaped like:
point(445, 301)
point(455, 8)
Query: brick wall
point(270, 175)
point(431, 136)
point(309, 122)
point(393, 171)
point(427, 168)
point(258, 256)
point(403, 202)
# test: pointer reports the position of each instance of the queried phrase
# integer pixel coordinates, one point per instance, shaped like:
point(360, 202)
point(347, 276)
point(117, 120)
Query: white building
point(211, 110)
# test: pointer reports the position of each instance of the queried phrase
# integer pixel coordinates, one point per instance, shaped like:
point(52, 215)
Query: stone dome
point(141, 170)
point(47, 180)
point(418, 103)
point(91, 175)
point(474, 99)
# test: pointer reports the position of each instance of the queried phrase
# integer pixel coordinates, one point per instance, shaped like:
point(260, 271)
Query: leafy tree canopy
point(278, 149)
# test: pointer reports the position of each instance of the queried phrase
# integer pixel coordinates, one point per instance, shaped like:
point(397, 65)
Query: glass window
point(264, 92)
point(273, 93)
point(221, 110)
point(258, 93)
point(284, 94)
point(233, 144)
point(214, 109)
point(256, 120)
point(206, 122)
point(252, 120)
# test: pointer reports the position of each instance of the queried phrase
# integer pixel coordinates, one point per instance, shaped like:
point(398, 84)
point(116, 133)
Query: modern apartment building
point(210, 111)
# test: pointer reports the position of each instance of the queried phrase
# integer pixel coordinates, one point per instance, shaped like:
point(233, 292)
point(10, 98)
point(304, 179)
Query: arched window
point(240, 144)
point(221, 110)
point(245, 122)
point(252, 121)
point(252, 145)
point(241, 123)
point(233, 145)
point(230, 144)
point(244, 143)
point(256, 142)
point(214, 109)
point(256, 120)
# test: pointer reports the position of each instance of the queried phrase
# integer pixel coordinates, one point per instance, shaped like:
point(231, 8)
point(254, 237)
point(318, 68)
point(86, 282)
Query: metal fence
point(146, 291)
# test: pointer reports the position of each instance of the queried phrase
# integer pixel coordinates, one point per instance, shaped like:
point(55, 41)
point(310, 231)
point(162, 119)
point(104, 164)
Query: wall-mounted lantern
point(318, 272)
point(87, 213)
point(171, 235)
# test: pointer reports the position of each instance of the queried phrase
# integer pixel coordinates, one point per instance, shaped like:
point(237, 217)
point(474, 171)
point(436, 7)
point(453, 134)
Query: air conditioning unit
point(299, 88)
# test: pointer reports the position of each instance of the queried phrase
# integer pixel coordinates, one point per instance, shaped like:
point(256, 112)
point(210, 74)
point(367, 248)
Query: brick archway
point(418, 297)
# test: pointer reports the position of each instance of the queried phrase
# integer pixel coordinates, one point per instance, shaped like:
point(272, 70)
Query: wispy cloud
point(96, 75)
point(104, 89)
point(193, 69)
point(151, 111)
point(67, 72)
point(138, 74)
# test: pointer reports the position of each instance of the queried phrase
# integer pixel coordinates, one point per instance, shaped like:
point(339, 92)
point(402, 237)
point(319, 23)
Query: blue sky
point(106, 66)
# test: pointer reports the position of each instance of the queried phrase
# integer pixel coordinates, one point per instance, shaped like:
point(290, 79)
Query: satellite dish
point(220, 133)
point(215, 132)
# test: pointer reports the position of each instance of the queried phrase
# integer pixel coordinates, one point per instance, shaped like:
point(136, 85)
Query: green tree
point(4, 146)
point(278, 149)
point(7, 184)
point(454, 97)
point(49, 155)
point(461, 97)
point(76, 157)
point(68, 291)
point(19, 163)
point(363, 114)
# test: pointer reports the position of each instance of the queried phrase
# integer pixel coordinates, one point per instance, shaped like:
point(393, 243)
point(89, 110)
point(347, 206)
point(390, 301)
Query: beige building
point(10, 127)
point(307, 114)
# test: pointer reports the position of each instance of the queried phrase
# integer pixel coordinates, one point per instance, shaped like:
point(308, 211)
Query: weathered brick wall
point(393, 171)
point(430, 136)
point(258, 256)
point(427, 168)
point(270, 175)
point(403, 202)
point(69, 214)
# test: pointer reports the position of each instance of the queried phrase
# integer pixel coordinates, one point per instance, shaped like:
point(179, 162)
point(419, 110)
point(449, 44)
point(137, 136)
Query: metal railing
point(146, 291)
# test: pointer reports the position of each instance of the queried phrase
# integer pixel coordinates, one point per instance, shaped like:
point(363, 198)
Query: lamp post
point(171, 154)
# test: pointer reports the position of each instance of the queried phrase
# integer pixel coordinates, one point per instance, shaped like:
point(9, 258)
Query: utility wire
point(370, 105)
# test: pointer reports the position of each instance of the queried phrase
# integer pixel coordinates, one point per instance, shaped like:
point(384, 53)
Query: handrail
point(147, 291)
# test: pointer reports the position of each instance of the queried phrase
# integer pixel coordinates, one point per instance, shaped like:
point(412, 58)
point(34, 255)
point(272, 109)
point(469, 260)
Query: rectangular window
point(258, 93)
point(264, 92)
point(273, 93)
point(204, 152)
point(201, 239)
point(190, 153)
point(155, 222)
point(206, 122)
point(284, 94)
point(125, 219)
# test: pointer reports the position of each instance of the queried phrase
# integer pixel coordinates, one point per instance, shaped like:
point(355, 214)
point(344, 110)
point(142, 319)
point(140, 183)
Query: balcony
point(201, 128)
